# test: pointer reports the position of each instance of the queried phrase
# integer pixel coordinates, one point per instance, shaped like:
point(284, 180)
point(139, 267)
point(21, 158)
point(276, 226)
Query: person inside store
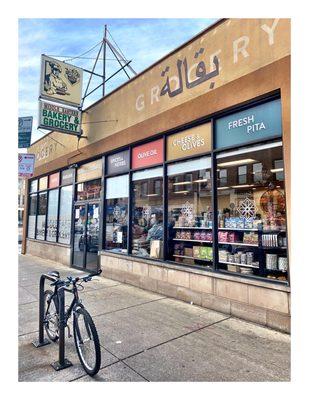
point(156, 229)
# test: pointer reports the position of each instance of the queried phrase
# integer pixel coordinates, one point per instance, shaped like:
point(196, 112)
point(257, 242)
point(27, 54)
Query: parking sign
point(26, 165)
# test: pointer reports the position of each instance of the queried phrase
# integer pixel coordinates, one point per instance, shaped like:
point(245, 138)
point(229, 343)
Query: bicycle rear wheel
point(51, 318)
point(86, 341)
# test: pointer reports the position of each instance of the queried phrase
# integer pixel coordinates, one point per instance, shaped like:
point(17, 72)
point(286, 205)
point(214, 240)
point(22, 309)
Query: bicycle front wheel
point(86, 341)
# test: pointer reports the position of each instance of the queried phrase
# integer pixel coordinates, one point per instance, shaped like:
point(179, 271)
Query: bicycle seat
point(55, 274)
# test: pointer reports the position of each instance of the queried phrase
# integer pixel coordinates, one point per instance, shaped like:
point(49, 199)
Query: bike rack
point(62, 362)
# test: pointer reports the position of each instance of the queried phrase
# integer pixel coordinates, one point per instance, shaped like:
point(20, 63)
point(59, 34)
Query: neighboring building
point(185, 190)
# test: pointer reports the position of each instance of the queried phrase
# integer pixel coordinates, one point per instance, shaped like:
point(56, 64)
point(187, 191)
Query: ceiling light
point(223, 187)
point(276, 170)
point(237, 162)
point(152, 194)
point(182, 183)
point(182, 191)
point(241, 186)
point(200, 180)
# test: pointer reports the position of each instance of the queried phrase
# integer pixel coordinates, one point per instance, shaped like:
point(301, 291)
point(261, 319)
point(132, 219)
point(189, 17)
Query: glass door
point(80, 218)
point(92, 237)
point(86, 236)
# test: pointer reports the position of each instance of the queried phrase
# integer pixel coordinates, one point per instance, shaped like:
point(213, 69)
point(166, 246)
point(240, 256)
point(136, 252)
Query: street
point(148, 337)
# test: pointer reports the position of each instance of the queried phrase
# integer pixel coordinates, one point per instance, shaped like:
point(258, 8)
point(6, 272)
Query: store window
point(43, 183)
point(147, 213)
point(65, 214)
point(34, 186)
point(41, 216)
point(67, 176)
point(89, 171)
point(32, 215)
point(116, 205)
point(252, 216)
point(190, 212)
point(53, 180)
point(89, 190)
point(52, 214)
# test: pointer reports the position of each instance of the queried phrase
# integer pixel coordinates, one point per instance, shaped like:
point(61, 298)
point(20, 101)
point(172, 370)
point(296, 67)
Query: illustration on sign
point(61, 81)
point(200, 74)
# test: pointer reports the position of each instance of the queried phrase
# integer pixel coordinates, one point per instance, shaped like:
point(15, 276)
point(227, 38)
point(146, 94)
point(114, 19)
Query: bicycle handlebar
point(70, 280)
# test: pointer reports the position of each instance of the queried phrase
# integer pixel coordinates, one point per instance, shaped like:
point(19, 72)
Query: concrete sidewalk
point(148, 337)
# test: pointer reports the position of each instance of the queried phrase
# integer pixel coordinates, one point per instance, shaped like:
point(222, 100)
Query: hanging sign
point(60, 81)
point(190, 142)
point(147, 154)
point(59, 118)
point(24, 132)
point(118, 163)
point(260, 122)
point(26, 165)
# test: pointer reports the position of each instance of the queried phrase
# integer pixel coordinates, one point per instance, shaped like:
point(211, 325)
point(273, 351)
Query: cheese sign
point(59, 118)
point(256, 123)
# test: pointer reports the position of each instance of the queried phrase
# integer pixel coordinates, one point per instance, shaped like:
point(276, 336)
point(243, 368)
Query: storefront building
point(184, 189)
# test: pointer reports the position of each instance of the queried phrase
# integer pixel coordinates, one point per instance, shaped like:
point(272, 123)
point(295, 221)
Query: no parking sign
point(26, 165)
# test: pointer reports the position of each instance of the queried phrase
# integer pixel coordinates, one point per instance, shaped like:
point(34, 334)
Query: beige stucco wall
point(264, 303)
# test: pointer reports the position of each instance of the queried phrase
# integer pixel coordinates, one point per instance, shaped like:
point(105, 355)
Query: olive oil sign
point(56, 117)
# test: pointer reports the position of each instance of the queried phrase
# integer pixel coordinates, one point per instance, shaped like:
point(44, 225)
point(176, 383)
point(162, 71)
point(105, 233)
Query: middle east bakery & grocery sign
point(56, 117)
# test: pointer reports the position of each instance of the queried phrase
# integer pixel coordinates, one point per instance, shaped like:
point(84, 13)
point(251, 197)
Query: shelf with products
point(239, 229)
point(192, 258)
point(238, 264)
point(192, 240)
point(192, 227)
point(240, 244)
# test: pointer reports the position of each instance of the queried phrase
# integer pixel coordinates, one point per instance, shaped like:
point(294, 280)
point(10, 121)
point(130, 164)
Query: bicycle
point(85, 334)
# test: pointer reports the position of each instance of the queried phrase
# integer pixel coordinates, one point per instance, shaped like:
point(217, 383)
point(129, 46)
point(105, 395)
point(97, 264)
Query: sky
point(144, 41)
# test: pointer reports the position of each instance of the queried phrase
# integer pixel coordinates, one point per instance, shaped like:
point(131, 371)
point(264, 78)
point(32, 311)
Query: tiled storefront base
point(260, 302)
point(50, 251)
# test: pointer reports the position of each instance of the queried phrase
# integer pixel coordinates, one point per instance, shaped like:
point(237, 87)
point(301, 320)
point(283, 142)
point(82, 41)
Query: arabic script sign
point(25, 165)
point(61, 81)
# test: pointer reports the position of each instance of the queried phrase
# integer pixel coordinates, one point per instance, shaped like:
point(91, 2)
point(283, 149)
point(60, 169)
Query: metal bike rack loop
point(62, 361)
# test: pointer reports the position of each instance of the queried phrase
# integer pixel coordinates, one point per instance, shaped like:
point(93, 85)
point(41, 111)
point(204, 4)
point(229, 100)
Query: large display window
point(116, 212)
point(147, 213)
point(251, 205)
point(65, 214)
point(190, 212)
point(41, 217)
point(52, 215)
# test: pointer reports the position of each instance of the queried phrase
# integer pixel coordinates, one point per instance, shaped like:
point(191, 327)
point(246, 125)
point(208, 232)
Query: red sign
point(147, 154)
point(53, 180)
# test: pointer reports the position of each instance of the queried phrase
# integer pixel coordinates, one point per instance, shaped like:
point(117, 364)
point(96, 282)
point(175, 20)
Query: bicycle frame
point(74, 304)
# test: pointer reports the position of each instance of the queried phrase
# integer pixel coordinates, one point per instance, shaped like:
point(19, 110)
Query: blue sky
point(143, 41)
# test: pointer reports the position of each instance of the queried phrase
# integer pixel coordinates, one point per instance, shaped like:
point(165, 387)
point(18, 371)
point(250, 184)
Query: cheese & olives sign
point(57, 117)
